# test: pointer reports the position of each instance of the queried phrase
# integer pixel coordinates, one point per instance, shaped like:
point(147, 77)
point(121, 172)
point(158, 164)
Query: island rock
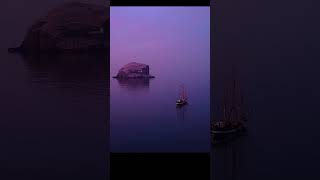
point(71, 26)
point(134, 70)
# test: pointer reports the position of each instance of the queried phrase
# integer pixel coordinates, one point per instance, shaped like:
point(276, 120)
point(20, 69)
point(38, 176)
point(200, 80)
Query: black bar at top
point(159, 2)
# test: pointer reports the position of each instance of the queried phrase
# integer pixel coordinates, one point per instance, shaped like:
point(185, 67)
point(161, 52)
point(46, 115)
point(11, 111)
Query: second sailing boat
point(183, 99)
point(233, 116)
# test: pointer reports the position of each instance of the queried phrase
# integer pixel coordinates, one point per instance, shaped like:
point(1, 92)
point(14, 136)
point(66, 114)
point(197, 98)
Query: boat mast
point(235, 97)
point(185, 94)
point(244, 109)
point(229, 103)
point(180, 92)
point(226, 104)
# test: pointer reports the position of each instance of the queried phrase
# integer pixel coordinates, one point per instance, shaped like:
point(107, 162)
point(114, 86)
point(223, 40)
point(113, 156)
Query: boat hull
point(182, 103)
point(225, 136)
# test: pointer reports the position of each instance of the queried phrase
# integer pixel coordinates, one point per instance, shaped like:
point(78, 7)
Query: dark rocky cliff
point(71, 26)
point(134, 70)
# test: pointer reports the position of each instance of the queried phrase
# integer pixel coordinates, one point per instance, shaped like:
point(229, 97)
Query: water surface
point(53, 115)
point(275, 45)
point(175, 43)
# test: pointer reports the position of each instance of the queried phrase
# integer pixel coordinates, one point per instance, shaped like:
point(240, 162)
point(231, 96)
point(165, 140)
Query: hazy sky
point(175, 43)
point(157, 32)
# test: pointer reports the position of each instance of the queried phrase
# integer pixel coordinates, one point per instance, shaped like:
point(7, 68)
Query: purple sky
point(175, 43)
point(157, 33)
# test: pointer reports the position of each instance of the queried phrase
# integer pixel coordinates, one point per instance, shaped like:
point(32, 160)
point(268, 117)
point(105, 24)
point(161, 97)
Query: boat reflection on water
point(226, 160)
point(182, 112)
point(135, 84)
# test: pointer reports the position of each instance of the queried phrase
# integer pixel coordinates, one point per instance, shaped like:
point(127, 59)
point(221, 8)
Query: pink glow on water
point(175, 43)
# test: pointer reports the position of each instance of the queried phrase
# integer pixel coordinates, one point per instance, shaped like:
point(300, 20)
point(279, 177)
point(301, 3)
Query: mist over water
point(275, 47)
point(175, 43)
point(53, 115)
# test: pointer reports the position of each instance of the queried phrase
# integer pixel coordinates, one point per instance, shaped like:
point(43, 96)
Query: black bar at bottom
point(160, 165)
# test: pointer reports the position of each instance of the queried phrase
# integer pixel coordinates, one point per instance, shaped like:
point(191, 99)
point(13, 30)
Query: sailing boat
point(234, 114)
point(183, 99)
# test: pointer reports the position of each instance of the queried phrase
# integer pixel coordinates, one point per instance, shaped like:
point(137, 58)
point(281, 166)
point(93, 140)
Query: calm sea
point(53, 115)
point(144, 117)
point(276, 46)
point(143, 114)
